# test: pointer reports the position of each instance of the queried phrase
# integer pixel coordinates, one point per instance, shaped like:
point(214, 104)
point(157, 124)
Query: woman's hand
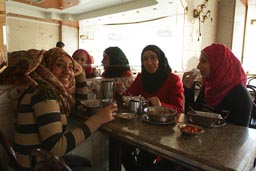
point(188, 79)
point(154, 101)
point(106, 113)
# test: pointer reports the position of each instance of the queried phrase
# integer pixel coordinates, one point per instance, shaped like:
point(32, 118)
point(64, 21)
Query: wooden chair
point(10, 152)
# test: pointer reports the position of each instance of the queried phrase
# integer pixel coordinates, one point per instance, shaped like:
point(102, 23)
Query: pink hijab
point(226, 72)
point(87, 66)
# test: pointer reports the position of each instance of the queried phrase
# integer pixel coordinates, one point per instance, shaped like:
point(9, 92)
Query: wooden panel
point(58, 4)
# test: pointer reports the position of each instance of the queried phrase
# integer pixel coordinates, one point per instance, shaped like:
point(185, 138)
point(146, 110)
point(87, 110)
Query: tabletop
point(229, 147)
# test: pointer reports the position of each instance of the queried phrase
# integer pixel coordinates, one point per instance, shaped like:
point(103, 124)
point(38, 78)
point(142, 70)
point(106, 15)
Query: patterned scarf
point(32, 68)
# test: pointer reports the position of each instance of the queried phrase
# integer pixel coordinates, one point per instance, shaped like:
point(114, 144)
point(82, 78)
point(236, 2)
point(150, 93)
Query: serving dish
point(92, 106)
point(146, 119)
point(205, 119)
point(160, 113)
point(190, 129)
point(92, 103)
point(127, 116)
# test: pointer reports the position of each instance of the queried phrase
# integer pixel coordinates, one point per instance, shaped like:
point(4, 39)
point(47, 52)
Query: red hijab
point(87, 65)
point(226, 72)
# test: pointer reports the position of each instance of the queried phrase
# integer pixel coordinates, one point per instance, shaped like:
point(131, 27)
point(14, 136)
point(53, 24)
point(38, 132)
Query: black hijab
point(151, 82)
point(118, 62)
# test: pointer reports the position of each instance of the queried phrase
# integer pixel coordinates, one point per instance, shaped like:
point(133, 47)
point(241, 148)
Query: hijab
point(32, 68)
point(118, 63)
point(87, 67)
point(225, 72)
point(151, 82)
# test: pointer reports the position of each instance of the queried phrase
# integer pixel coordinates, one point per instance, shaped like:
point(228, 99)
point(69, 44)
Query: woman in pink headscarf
point(84, 59)
point(223, 85)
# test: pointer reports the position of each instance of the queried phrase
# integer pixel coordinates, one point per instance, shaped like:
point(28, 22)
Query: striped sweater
point(41, 122)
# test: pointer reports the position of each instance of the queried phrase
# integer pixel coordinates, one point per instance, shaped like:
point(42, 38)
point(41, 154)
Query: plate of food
point(191, 129)
point(127, 116)
point(160, 113)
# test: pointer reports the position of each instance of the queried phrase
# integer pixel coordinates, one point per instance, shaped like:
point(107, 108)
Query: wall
point(26, 33)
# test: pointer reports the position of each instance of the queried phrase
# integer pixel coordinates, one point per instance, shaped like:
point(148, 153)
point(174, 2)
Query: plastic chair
point(10, 152)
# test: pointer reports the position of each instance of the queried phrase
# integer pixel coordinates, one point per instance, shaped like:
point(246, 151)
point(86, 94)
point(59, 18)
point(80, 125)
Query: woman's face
point(150, 61)
point(204, 66)
point(81, 59)
point(64, 70)
point(105, 61)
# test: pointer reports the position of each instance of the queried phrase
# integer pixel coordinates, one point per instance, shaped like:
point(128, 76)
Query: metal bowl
point(205, 119)
point(160, 113)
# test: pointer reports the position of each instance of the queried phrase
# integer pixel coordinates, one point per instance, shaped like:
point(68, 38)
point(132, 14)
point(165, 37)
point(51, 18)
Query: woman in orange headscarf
point(45, 102)
point(223, 85)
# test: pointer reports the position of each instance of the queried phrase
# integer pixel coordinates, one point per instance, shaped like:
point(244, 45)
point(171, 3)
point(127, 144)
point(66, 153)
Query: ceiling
point(101, 10)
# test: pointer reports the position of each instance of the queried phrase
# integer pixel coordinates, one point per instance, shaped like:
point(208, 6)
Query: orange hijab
point(226, 72)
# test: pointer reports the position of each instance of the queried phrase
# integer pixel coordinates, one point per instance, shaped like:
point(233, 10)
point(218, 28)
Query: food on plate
point(190, 129)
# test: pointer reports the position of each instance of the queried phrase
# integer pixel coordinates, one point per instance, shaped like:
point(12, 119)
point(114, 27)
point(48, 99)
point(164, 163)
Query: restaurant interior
point(180, 27)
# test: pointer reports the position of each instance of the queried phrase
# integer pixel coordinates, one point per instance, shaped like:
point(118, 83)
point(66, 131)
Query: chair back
point(9, 151)
point(252, 91)
point(43, 160)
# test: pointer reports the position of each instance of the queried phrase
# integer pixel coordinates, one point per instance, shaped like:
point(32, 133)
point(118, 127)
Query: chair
point(252, 91)
point(43, 160)
point(10, 152)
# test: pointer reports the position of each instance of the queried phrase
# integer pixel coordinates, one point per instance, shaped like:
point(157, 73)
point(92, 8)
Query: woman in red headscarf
point(223, 85)
point(85, 60)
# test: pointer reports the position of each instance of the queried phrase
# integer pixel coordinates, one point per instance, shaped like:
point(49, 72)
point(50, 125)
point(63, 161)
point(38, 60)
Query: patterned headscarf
point(32, 67)
point(87, 67)
point(149, 82)
point(225, 72)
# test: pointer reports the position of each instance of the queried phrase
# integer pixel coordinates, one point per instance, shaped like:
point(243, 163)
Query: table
point(230, 147)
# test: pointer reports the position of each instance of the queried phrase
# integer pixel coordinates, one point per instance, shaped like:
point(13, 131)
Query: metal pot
point(107, 89)
point(134, 106)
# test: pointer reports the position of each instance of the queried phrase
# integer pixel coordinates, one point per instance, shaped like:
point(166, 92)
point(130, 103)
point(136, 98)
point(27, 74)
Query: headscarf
point(118, 63)
point(225, 72)
point(33, 68)
point(87, 67)
point(151, 82)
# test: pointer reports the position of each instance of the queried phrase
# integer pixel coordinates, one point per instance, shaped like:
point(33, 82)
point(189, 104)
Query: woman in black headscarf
point(115, 63)
point(161, 87)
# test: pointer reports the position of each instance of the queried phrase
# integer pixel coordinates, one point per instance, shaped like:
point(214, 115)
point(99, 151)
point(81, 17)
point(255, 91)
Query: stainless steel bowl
point(160, 113)
point(205, 119)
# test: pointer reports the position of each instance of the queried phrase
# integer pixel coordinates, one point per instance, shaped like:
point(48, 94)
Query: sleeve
point(239, 103)
point(175, 94)
point(134, 88)
point(81, 88)
point(51, 124)
point(189, 94)
point(127, 74)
